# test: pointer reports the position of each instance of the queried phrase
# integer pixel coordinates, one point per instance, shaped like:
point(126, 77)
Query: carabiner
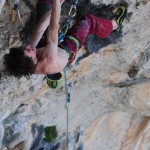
point(72, 9)
point(64, 29)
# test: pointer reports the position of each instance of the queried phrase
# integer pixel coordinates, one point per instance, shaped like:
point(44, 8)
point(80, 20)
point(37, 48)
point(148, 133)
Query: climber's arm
point(53, 28)
point(40, 29)
point(52, 36)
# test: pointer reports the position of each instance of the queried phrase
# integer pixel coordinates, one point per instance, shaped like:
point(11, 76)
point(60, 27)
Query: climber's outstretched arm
point(52, 36)
point(50, 52)
point(40, 29)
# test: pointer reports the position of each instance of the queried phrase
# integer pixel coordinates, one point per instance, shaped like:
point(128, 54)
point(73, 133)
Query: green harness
point(66, 48)
point(74, 40)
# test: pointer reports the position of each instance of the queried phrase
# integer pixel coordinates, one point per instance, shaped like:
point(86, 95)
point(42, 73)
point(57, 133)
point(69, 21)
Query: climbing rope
point(67, 107)
point(62, 33)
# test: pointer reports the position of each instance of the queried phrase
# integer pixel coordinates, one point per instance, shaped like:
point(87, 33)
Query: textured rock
point(118, 131)
point(110, 100)
point(1, 5)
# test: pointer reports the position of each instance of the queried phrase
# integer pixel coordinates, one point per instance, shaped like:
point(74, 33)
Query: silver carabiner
point(72, 9)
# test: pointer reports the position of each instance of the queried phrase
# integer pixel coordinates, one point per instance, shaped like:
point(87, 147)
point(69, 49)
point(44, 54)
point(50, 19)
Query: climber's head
point(20, 62)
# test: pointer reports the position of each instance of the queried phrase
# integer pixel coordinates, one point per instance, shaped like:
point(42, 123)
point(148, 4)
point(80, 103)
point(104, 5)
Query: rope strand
point(67, 108)
point(61, 37)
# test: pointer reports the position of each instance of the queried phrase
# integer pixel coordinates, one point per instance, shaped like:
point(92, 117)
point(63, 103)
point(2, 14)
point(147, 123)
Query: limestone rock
point(110, 100)
point(1, 5)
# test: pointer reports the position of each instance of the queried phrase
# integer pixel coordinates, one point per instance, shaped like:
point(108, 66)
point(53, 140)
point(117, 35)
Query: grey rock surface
point(110, 98)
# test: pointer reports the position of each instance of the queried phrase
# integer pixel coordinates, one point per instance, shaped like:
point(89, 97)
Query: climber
point(51, 59)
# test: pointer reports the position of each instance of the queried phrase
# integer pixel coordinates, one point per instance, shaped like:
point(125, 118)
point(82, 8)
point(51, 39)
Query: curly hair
point(17, 64)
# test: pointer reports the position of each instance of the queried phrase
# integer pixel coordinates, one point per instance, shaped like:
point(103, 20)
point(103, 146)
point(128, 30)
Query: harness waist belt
point(71, 54)
point(66, 49)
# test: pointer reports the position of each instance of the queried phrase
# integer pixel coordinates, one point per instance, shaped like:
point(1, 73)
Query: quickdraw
point(64, 29)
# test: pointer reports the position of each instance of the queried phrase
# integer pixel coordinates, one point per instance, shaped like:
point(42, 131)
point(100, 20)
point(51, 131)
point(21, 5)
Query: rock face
point(1, 5)
point(110, 98)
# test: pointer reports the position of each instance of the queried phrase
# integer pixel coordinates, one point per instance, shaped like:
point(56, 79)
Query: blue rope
point(60, 39)
point(67, 107)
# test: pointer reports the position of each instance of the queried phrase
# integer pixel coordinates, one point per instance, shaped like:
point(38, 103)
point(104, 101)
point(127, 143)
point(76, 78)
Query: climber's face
point(31, 52)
